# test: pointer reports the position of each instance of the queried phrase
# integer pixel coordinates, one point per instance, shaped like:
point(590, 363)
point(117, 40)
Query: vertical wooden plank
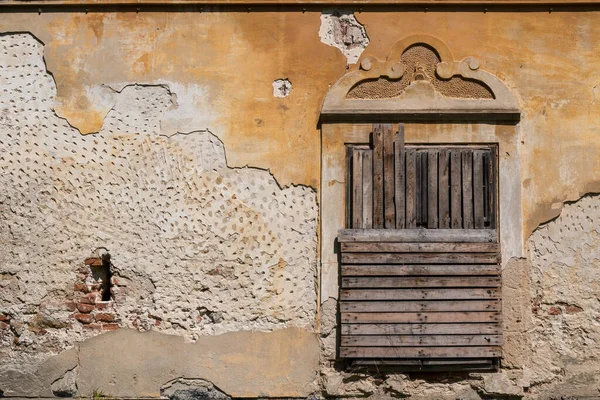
point(377, 176)
point(494, 187)
point(478, 198)
point(432, 189)
point(400, 170)
point(357, 189)
point(467, 188)
point(388, 177)
point(411, 183)
point(486, 189)
point(444, 189)
point(367, 200)
point(418, 188)
point(424, 188)
point(455, 189)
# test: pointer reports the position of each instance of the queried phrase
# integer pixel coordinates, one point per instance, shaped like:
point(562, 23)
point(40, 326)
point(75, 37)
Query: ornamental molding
point(420, 80)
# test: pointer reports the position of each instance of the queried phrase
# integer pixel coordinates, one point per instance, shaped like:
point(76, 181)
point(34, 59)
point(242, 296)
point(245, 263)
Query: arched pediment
point(420, 80)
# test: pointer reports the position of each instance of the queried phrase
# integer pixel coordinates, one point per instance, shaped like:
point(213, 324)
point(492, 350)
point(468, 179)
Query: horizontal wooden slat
point(396, 247)
point(418, 306)
point(419, 294)
point(421, 317)
point(421, 340)
point(419, 235)
point(420, 258)
point(428, 270)
point(424, 362)
point(422, 329)
point(416, 352)
point(420, 281)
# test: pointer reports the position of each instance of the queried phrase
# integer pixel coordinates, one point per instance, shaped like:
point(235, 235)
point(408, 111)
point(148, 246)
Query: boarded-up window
point(421, 259)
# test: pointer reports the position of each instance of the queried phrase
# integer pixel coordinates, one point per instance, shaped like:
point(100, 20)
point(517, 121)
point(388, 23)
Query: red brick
point(103, 305)
point(110, 327)
point(4, 325)
point(93, 262)
point(89, 298)
point(84, 318)
point(104, 317)
point(4, 317)
point(85, 308)
point(93, 326)
point(573, 309)
point(81, 287)
point(70, 306)
point(554, 311)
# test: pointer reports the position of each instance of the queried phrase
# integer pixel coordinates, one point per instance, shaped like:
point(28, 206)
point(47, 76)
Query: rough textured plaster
point(199, 248)
point(565, 286)
point(340, 29)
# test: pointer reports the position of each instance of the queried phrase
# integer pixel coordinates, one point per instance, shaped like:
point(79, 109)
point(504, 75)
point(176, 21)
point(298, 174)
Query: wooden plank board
point(418, 188)
point(444, 189)
point(426, 269)
point(419, 281)
point(411, 187)
point(389, 208)
point(420, 340)
point(422, 329)
point(420, 306)
point(420, 258)
point(395, 247)
point(418, 235)
point(400, 184)
point(367, 187)
point(467, 188)
point(357, 189)
point(378, 176)
point(455, 190)
point(478, 198)
point(417, 352)
point(421, 317)
point(432, 190)
point(420, 294)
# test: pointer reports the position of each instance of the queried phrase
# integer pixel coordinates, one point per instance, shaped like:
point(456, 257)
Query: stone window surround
point(427, 120)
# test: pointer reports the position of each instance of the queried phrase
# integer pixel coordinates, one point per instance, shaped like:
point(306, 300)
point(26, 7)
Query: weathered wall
point(202, 245)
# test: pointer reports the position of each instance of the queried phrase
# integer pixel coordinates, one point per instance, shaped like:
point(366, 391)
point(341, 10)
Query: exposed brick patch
point(573, 309)
point(554, 311)
point(110, 327)
point(4, 325)
point(83, 318)
point(104, 317)
point(85, 308)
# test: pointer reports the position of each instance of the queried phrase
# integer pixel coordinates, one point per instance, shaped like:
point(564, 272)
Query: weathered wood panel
point(422, 270)
point(417, 352)
point(467, 189)
point(389, 178)
point(395, 247)
point(357, 189)
point(478, 195)
point(378, 176)
point(420, 258)
point(419, 235)
point(420, 306)
point(444, 189)
point(455, 190)
point(422, 329)
point(400, 184)
point(420, 340)
point(367, 187)
point(421, 317)
point(432, 190)
point(411, 188)
point(419, 281)
point(420, 294)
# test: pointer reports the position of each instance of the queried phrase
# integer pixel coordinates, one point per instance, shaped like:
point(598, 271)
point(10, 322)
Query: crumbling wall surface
point(197, 248)
point(565, 285)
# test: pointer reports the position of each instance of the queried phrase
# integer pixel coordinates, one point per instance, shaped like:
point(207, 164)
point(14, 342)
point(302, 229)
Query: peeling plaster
point(340, 29)
point(282, 88)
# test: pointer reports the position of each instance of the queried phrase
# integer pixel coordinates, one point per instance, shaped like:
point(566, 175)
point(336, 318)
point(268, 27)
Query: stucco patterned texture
point(202, 248)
